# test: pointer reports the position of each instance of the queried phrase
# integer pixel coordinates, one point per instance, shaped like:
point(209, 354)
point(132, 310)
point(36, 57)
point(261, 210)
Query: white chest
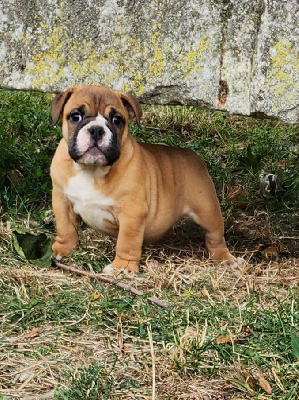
point(89, 203)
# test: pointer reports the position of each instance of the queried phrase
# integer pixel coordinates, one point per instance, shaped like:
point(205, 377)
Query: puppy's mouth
point(93, 156)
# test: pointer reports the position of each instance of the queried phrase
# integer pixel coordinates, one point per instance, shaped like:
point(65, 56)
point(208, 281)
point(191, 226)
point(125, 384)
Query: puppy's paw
point(126, 265)
point(132, 267)
point(61, 250)
point(57, 257)
point(224, 257)
point(237, 262)
point(109, 270)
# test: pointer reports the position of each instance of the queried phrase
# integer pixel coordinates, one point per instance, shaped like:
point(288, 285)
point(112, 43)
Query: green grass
point(27, 140)
point(235, 149)
point(92, 382)
point(262, 326)
point(93, 340)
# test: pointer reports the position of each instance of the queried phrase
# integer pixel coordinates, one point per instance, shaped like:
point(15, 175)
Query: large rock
point(237, 55)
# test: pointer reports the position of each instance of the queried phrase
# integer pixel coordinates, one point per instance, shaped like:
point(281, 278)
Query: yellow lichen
point(282, 54)
point(62, 57)
point(190, 62)
point(280, 78)
point(58, 58)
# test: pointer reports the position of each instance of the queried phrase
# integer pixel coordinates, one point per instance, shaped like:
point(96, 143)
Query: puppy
point(133, 191)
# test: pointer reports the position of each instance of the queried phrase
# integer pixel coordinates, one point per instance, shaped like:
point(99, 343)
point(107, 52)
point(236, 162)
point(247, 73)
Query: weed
point(92, 383)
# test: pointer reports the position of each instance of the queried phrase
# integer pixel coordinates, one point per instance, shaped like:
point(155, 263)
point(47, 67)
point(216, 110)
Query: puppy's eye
point(76, 117)
point(117, 120)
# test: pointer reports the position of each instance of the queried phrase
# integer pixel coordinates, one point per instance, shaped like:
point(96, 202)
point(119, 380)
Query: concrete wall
point(234, 55)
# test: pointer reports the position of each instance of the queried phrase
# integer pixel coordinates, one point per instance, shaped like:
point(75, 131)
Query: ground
point(228, 333)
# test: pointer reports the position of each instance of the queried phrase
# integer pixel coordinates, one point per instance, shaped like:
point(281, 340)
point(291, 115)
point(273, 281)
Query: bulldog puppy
point(133, 191)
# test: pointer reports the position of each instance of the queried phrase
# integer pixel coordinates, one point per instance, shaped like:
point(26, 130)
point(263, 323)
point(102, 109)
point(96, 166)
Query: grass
point(228, 334)
point(28, 140)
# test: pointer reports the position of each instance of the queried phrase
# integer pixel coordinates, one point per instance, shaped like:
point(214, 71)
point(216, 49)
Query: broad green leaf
point(34, 248)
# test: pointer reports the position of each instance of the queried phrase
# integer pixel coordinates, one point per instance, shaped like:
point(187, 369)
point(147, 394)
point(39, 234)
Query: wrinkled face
point(94, 125)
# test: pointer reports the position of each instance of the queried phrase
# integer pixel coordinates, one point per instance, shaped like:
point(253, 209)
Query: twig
point(154, 128)
point(110, 281)
point(150, 337)
point(288, 237)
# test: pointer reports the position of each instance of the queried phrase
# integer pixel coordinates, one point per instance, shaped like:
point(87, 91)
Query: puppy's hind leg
point(201, 204)
point(206, 213)
point(212, 223)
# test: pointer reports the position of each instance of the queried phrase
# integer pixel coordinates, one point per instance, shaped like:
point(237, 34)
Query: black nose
point(96, 132)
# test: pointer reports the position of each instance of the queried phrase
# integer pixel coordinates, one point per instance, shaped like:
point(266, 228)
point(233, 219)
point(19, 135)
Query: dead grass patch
point(36, 361)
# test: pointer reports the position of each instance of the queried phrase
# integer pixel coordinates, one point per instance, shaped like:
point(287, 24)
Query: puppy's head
point(95, 122)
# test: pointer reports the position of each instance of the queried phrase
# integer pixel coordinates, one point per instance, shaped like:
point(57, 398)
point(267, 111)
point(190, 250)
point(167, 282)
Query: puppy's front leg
point(129, 243)
point(66, 224)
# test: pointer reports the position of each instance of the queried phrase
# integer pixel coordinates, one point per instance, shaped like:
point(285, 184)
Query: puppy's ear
point(58, 104)
point(132, 106)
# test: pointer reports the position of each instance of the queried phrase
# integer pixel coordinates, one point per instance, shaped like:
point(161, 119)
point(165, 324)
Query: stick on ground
point(110, 281)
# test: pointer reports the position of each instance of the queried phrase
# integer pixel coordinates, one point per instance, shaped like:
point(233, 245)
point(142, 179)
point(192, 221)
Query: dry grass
point(42, 357)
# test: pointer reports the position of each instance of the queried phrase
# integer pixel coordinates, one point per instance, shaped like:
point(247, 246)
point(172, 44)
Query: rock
point(233, 56)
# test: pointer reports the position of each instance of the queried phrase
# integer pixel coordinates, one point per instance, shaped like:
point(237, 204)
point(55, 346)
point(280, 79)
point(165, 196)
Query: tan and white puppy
point(133, 191)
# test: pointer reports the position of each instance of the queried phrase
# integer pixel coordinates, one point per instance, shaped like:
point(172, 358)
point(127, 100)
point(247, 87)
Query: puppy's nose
point(96, 132)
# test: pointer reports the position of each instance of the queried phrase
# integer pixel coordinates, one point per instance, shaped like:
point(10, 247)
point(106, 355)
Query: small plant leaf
point(224, 339)
point(33, 333)
point(251, 160)
point(96, 296)
point(265, 385)
point(295, 344)
point(270, 252)
point(17, 246)
point(33, 248)
point(235, 193)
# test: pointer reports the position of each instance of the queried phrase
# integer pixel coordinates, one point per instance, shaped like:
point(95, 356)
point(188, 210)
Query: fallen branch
point(110, 281)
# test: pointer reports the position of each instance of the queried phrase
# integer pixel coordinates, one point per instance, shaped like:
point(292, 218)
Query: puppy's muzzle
point(94, 142)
